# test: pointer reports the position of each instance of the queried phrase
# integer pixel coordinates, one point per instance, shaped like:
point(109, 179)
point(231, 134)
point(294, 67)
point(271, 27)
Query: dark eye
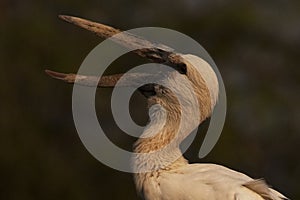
point(181, 68)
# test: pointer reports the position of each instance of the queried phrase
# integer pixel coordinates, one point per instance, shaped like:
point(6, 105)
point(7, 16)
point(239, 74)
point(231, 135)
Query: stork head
point(193, 88)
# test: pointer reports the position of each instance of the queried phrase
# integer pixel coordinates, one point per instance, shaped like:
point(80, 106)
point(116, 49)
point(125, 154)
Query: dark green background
point(255, 44)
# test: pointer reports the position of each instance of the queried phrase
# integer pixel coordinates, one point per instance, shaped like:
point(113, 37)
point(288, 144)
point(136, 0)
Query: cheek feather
point(199, 67)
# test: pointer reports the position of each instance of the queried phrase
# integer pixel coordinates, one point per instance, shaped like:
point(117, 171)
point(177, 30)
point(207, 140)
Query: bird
point(169, 176)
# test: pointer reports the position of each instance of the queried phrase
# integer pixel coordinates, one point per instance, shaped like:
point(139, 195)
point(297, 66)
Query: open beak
point(155, 52)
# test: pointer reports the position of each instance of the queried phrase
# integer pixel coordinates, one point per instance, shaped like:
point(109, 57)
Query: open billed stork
point(169, 178)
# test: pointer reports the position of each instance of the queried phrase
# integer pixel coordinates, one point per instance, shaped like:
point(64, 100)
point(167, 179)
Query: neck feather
point(158, 147)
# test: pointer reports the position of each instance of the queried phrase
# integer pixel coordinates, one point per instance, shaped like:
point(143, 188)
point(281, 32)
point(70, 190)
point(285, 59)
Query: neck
point(158, 147)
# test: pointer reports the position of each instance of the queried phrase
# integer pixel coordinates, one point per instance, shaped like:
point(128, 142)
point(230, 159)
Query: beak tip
point(65, 17)
point(55, 75)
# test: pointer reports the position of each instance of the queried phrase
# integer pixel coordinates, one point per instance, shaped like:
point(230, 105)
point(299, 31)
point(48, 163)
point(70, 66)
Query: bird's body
point(202, 182)
point(162, 172)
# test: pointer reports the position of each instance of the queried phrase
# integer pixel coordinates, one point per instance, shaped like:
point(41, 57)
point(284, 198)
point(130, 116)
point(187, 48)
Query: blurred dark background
point(255, 44)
